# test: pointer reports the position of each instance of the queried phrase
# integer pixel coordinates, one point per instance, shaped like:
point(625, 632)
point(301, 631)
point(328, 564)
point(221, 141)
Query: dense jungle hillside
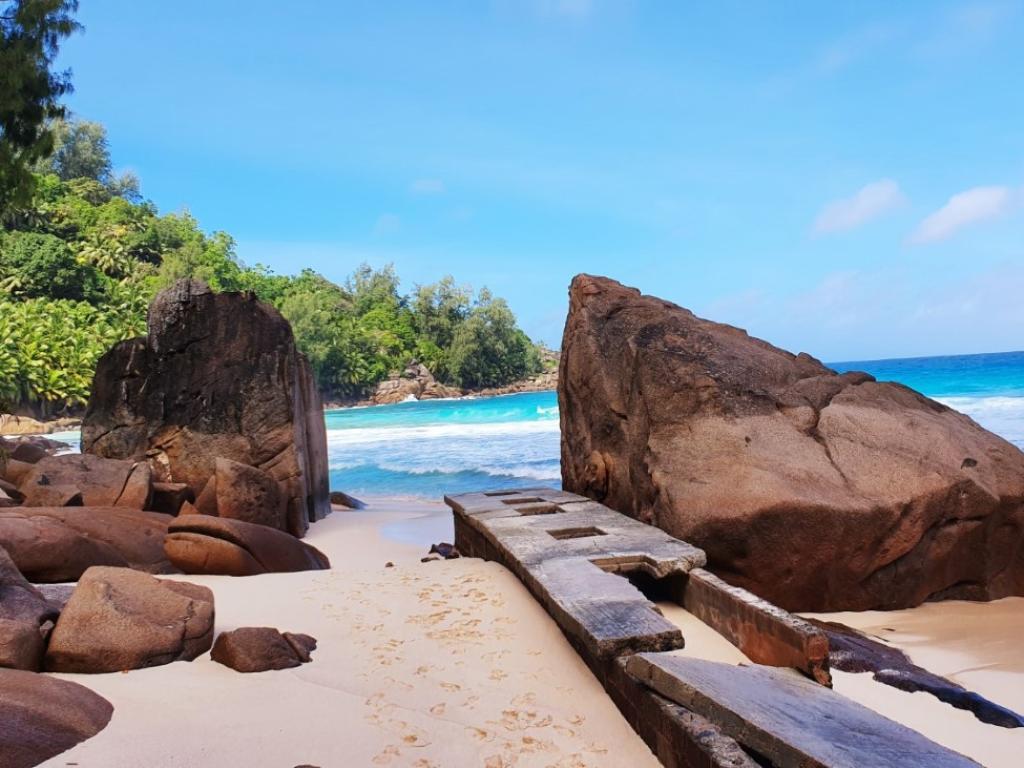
point(83, 253)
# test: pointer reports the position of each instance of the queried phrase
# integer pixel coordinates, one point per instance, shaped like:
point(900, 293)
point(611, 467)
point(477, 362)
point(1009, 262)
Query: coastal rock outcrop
point(200, 544)
point(26, 617)
point(59, 544)
point(416, 381)
point(119, 619)
point(42, 716)
point(218, 376)
point(260, 649)
point(815, 490)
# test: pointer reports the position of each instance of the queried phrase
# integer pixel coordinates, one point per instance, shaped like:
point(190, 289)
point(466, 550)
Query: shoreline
point(35, 426)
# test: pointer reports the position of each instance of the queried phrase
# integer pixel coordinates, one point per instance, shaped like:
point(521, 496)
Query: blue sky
point(845, 179)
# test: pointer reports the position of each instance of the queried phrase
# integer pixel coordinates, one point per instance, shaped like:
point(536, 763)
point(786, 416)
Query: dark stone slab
point(787, 719)
point(853, 651)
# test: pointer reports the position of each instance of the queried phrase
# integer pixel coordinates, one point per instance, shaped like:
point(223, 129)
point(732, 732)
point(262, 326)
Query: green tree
point(488, 349)
point(80, 151)
point(42, 266)
point(30, 35)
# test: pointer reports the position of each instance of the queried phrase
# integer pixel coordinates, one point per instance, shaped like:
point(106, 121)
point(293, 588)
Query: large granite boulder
point(261, 649)
point(42, 716)
point(815, 490)
point(59, 544)
point(91, 481)
point(26, 617)
point(200, 544)
point(217, 376)
point(119, 619)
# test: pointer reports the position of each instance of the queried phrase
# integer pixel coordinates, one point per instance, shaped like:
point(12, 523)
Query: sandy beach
point(448, 663)
point(452, 663)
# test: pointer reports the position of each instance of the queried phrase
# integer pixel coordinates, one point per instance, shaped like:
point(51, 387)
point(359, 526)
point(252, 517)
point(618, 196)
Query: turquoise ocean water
point(450, 446)
point(427, 449)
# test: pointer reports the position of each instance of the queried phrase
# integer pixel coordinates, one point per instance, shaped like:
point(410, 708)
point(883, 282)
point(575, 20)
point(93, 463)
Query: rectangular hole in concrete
point(538, 509)
point(576, 533)
point(500, 493)
point(528, 500)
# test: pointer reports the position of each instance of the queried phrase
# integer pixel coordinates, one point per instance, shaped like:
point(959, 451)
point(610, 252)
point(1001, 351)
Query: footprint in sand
point(498, 674)
point(385, 757)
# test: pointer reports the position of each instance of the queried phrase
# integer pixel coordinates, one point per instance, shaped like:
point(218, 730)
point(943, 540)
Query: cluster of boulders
point(816, 490)
point(204, 452)
point(416, 382)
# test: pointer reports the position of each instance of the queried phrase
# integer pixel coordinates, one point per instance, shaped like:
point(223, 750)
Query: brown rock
point(42, 716)
point(26, 618)
point(29, 452)
point(215, 545)
point(416, 382)
point(814, 490)
point(259, 649)
point(102, 482)
point(120, 619)
point(14, 471)
point(168, 498)
point(52, 496)
point(138, 488)
point(59, 544)
point(258, 404)
point(10, 490)
point(22, 645)
point(6, 501)
point(240, 492)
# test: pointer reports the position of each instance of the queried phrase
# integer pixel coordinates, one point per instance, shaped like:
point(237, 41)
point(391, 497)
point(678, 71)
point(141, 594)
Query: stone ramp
point(788, 719)
point(566, 549)
point(571, 553)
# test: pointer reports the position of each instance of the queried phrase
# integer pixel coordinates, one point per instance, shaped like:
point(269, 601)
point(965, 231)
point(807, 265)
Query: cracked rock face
point(816, 491)
point(217, 376)
point(119, 619)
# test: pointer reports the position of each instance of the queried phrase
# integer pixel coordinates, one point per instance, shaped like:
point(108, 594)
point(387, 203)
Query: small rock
point(340, 499)
point(389, 564)
point(260, 649)
point(445, 550)
point(430, 559)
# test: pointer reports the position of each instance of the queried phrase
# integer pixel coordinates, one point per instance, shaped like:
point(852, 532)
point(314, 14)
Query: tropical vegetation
point(82, 257)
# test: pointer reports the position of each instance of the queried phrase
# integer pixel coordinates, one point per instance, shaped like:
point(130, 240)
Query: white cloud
point(962, 210)
point(427, 187)
point(869, 202)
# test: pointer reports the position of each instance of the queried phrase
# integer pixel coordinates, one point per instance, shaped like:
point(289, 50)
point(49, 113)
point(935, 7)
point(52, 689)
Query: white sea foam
point(1000, 414)
point(400, 434)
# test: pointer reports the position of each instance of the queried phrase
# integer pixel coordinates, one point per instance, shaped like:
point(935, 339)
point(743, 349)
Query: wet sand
point(447, 663)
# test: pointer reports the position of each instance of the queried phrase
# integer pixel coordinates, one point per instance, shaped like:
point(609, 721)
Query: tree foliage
point(30, 35)
point(79, 265)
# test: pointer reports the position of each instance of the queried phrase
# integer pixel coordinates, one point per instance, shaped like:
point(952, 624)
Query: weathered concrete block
point(788, 719)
